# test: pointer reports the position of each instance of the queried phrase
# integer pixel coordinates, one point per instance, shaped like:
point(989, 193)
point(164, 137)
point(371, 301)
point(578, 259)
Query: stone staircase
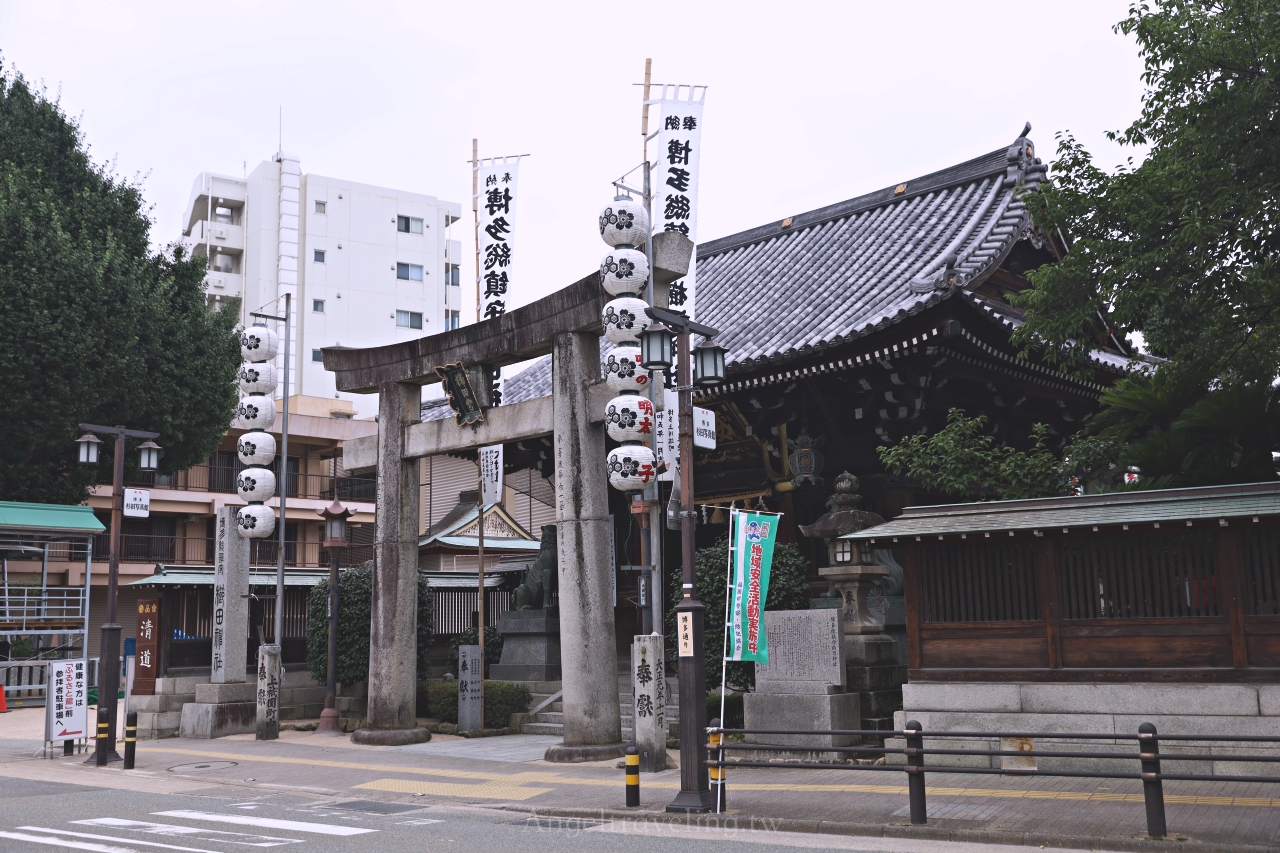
point(550, 720)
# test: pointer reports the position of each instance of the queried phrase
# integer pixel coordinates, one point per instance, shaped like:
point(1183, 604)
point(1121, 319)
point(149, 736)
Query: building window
point(222, 215)
point(320, 207)
point(319, 256)
point(409, 319)
point(408, 225)
point(409, 272)
point(451, 272)
point(317, 305)
point(317, 356)
point(454, 319)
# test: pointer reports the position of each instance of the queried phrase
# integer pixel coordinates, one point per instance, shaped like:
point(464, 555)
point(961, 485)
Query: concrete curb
point(561, 754)
point(390, 737)
point(748, 822)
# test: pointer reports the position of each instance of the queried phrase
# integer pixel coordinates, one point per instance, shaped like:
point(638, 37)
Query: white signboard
point(704, 428)
point(491, 474)
point(684, 625)
point(137, 503)
point(496, 204)
point(675, 203)
point(66, 703)
point(666, 433)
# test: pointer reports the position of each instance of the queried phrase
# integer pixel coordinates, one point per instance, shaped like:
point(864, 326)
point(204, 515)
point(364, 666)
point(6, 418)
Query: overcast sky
point(809, 103)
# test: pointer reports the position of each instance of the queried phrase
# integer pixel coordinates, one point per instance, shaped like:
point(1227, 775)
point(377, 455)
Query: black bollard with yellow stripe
point(130, 738)
point(102, 747)
point(718, 786)
point(633, 776)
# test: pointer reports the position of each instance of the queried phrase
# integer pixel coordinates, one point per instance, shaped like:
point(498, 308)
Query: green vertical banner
point(751, 541)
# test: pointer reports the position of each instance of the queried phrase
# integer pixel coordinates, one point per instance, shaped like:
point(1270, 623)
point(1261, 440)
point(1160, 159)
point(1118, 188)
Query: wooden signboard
point(462, 396)
point(148, 651)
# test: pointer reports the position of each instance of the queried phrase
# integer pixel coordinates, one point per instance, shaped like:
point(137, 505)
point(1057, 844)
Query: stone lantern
point(852, 565)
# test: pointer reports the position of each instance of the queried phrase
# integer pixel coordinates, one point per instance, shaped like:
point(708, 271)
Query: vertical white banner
point(675, 190)
point(491, 474)
point(496, 203)
point(666, 439)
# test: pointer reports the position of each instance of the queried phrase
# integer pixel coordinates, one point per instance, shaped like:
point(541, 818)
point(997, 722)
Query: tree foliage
point(1184, 247)
point(963, 461)
point(355, 618)
point(98, 327)
point(788, 590)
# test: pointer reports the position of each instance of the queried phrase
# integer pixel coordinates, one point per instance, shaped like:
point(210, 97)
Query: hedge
point(501, 700)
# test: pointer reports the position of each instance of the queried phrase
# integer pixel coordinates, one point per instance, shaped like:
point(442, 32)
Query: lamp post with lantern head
point(148, 460)
point(335, 540)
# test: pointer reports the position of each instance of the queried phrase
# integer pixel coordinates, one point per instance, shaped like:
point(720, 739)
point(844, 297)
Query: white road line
point(270, 823)
point(63, 842)
point(197, 832)
point(114, 838)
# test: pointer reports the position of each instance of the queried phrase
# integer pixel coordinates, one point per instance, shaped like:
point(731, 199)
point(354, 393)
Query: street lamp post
point(335, 540)
point(109, 660)
point(695, 788)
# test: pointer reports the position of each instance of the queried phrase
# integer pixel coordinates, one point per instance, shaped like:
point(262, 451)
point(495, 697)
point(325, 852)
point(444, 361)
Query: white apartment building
point(365, 265)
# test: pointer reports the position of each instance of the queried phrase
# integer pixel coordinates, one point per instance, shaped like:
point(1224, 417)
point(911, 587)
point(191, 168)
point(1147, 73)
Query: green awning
point(48, 518)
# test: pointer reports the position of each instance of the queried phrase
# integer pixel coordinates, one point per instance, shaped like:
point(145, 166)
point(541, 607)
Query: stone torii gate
point(567, 325)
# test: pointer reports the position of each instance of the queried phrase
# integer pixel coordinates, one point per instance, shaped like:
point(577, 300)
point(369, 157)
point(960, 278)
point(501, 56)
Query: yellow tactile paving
point(516, 786)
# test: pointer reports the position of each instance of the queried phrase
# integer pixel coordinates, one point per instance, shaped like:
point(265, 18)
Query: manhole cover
point(373, 807)
point(202, 766)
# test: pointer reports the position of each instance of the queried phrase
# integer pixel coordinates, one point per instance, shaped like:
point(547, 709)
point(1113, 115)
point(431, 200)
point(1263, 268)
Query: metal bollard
point(633, 777)
point(130, 738)
point(101, 747)
point(1152, 785)
point(915, 775)
point(718, 781)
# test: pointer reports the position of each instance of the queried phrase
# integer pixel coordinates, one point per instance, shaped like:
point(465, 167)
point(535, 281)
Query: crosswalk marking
point(114, 838)
point(269, 823)
point(66, 842)
point(244, 839)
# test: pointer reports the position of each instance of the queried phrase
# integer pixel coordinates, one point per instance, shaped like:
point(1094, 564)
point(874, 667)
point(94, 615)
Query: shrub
point(355, 618)
point(733, 714)
point(788, 590)
point(469, 637)
point(501, 700)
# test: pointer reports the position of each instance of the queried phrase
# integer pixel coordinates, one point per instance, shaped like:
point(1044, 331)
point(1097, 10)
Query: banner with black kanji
point(496, 203)
point(675, 188)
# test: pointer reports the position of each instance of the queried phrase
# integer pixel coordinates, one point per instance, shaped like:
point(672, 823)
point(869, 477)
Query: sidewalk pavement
point(509, 773)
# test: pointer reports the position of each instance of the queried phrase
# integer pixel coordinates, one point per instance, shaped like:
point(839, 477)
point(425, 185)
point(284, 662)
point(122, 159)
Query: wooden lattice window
point(980, 582)
point(1139, 576)
point(1260, 553)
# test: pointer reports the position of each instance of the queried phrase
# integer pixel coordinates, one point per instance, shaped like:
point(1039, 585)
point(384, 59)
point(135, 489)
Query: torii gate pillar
point(588, 657)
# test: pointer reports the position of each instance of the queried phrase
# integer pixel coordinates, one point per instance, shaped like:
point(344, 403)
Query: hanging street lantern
point(88, 448)
point(148, 456)
point(656, 347)
point(257, 412)
point(335, 517)
point(708, 364)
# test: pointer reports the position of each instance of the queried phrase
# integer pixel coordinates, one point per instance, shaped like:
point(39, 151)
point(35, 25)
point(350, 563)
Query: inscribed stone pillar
point(588, 657)
point(649, 687)
point(470, 680)
point(230, 606)
point(268, 718)
point(393, 653)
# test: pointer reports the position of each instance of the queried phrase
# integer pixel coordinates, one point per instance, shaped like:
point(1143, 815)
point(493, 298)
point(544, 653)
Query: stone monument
point(470, 685)
point(225, 706)
point(649, 692)
point(873, 670)
point(803, 685)
point(531, 632)
point(268, 708)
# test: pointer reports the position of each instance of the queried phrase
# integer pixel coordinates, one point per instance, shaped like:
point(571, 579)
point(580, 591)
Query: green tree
point(788, 590)
point(961, 460)
point(1184, 247)
point(98, 327)
point(355, 618)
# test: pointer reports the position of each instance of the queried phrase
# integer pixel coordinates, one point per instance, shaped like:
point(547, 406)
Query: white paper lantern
point(630, 467)
point(624, 223)
point(256, 448)
point(624, 271)
point(259, 343)
point(257, 378)
point(256, 413)
point(624, 319)
point(629, 418)
point(622, 370)
point(256, 521)
point(256, 484)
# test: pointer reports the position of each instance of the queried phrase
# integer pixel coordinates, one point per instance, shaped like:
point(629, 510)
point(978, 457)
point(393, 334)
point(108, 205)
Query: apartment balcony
point(217, 235)
point(214, 478)
point(198, 551)
point(228, 285)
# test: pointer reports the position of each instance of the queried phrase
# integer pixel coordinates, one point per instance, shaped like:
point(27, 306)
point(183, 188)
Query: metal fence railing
point(25, 609)
point(1148, 758)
